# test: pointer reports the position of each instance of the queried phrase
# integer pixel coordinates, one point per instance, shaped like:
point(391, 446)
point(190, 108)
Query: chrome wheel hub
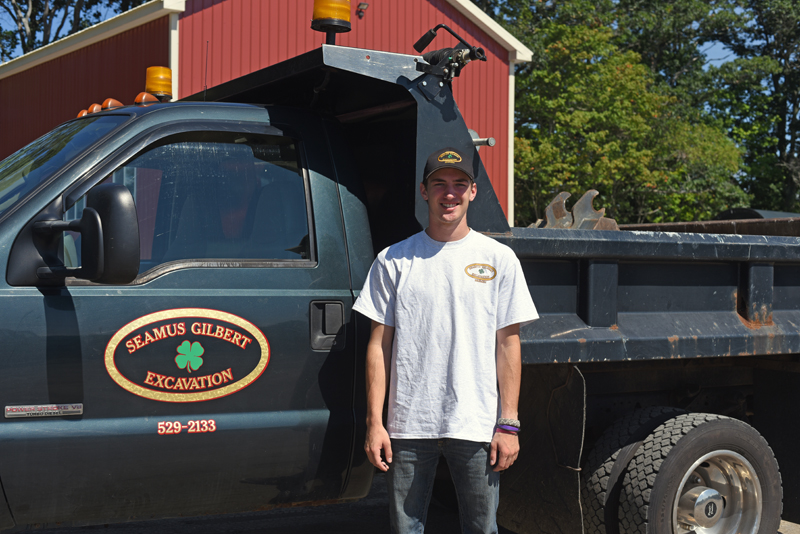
point(719, 494)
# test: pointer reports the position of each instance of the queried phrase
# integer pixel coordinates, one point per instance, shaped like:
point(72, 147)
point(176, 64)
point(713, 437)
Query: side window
point(213, 195)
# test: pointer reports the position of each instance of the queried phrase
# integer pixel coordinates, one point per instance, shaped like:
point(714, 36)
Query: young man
point(446, 305)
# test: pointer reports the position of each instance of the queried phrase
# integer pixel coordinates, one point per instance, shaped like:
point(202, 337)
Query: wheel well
point(722, 386)
point(763, 392)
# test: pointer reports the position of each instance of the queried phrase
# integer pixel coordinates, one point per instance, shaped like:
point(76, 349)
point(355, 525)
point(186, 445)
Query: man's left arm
point(505, 447)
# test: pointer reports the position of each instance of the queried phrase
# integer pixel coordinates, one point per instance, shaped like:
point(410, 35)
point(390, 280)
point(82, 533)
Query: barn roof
point(94, 34)
point(517, 52)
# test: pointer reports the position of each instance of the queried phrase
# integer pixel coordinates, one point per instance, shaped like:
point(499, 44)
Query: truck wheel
point(702, 473)
point(601, 482)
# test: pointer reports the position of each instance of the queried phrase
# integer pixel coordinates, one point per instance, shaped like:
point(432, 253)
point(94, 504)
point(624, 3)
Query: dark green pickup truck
point(177, 335)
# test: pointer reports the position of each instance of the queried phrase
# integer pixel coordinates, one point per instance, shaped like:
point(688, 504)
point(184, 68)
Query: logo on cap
point(449, 157)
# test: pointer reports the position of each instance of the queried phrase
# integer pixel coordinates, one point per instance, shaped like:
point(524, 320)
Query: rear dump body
point(629, 319)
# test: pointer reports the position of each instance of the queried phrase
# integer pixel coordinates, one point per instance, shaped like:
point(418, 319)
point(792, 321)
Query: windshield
point(27, 168)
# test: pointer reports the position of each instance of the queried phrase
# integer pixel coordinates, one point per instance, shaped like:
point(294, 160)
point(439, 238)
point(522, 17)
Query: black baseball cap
point(449, 157)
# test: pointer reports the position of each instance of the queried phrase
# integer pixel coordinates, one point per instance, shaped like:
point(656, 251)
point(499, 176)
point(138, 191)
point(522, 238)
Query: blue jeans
point(410, 481)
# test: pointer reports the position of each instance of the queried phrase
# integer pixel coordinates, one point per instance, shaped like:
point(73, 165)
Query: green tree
point(753, 97)
point(698, 163)
point(756, 96)
point(591, 115)
point(671, 38)
point(586, 117)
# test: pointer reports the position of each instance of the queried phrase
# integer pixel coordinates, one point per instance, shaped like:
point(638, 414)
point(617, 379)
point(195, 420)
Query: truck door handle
point(328, 331)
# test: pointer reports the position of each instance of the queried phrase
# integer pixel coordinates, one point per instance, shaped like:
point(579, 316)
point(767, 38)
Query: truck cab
point(220, 376)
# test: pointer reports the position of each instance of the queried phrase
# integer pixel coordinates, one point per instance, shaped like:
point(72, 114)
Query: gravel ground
point(367, 516)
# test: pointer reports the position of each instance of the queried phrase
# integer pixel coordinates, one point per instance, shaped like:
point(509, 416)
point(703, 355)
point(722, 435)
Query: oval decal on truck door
point(186, 355)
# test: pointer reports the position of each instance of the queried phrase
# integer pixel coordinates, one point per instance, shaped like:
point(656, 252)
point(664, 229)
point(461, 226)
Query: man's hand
point(505, 449)
point(379, 354)
point(377, 440)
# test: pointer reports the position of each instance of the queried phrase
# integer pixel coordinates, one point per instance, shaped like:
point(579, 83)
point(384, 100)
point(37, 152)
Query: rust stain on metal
point(755, 325)
point(673, 345)
point(753, 317)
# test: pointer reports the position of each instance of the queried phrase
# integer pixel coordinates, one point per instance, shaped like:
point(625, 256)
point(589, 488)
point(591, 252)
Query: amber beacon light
point(158, 83)
point(331, 17)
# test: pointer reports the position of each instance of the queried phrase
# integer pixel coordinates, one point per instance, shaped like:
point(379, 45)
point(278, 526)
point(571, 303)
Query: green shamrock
point(189, 356)
point(481, 271)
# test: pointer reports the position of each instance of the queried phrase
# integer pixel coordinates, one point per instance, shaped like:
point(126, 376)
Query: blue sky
point(717, 54)
point(6, 23)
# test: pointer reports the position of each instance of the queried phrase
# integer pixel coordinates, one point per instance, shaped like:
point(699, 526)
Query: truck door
point(221, 379)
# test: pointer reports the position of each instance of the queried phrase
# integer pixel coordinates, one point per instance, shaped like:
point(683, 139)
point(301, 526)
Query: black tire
point(598, 501)
point(666, 459)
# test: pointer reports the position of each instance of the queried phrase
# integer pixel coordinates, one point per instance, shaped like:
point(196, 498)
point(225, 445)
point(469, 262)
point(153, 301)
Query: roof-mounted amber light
point(145, 99)
point(111, 103)
point(82, 113)
point(159, 83)
point(94, 108)
point(331, 17)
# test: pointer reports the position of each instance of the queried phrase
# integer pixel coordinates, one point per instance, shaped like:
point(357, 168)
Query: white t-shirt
point(446, 302)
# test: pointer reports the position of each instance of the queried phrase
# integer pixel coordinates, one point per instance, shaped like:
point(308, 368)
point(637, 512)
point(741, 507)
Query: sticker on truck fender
point(187, 355)
point(44, 410)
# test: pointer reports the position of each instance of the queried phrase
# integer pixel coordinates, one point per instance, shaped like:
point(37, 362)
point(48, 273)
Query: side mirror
point(109, 238)
point(120, 232)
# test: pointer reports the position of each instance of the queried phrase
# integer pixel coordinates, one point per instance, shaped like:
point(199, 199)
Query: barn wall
point(44, 96)
point(242, 36)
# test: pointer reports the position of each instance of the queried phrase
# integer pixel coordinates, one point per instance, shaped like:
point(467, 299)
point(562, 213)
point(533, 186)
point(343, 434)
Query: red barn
point(208, 42)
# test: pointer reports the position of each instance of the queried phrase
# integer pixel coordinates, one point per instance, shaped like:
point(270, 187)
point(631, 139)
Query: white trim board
point(511, 141)
point(138, 16)
point(174, 51)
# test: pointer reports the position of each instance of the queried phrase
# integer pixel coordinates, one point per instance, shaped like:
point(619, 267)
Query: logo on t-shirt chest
point(481, 272)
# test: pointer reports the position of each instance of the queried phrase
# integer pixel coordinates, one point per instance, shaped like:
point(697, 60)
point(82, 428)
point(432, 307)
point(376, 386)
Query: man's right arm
point(379, 354)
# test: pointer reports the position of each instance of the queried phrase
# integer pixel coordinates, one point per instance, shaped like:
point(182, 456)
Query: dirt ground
point(789, 528)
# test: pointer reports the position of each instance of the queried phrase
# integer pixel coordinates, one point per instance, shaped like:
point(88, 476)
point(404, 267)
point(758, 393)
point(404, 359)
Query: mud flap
point(540, 493)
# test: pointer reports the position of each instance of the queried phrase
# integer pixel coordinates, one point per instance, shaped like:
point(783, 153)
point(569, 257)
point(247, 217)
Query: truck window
point(212, 196)
point(30, 166)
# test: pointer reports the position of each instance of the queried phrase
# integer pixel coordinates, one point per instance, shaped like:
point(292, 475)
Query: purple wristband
point(509, 428)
